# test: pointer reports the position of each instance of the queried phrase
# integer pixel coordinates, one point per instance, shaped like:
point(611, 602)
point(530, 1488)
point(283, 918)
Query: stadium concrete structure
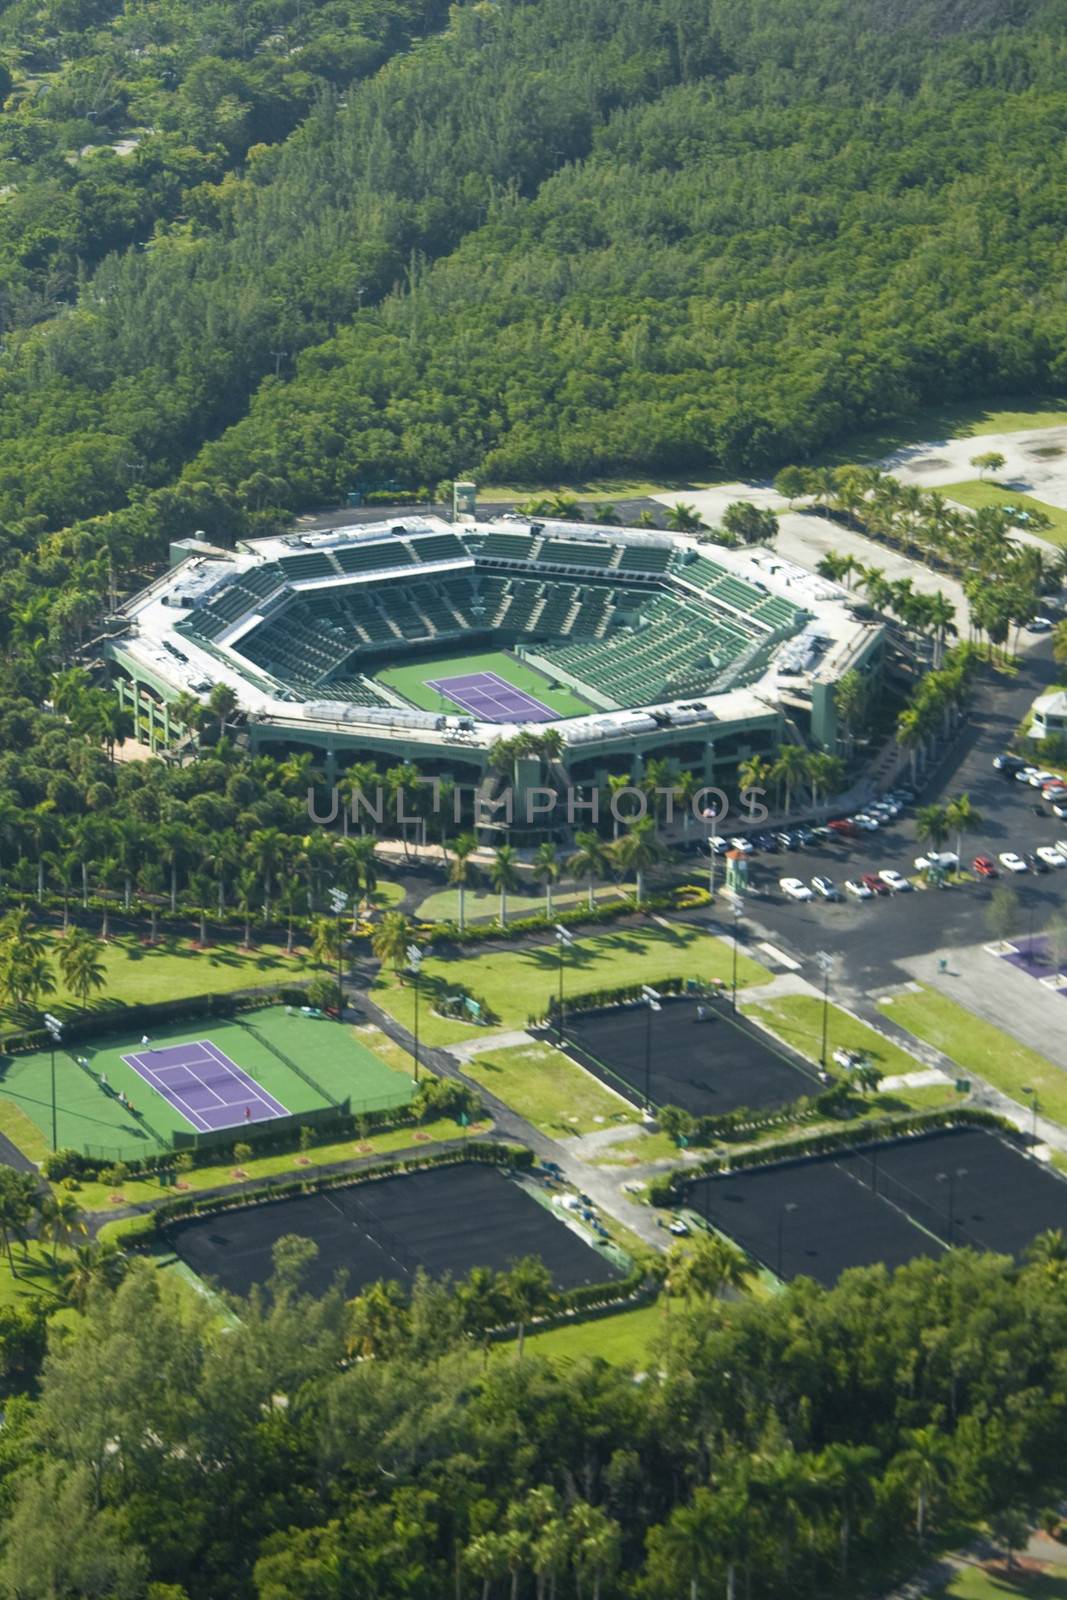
point(665, 647)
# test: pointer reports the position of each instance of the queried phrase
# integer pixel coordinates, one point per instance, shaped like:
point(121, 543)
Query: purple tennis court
point(492, 699)
point(205, 1086)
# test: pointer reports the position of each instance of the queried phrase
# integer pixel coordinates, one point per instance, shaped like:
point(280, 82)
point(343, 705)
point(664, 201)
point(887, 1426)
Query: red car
point(984, 867)
point(874, 883)
point(842, 825)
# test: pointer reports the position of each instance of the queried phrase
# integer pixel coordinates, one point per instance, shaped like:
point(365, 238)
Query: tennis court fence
point(864, 1168)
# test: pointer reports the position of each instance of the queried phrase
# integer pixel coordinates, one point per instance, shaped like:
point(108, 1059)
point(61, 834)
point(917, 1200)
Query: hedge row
point(743, 1121)
point(575, 916)
point(665, 1190)
point(212, 1202)
point(123, 1018)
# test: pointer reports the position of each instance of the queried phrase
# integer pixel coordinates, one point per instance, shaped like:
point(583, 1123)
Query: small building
point(1050, 715)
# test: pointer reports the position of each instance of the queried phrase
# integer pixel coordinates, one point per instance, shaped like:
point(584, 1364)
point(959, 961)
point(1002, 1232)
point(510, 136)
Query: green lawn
point(549, 1089)
point(443, 906)
point(977, 493)
point(797, 1019)
point(964, 419)
point(138, 974)
point(625, 1339)
point(412, 681)
point(979, 1047)
point(334, 1057)
point(517, 983)
point(972, 1583)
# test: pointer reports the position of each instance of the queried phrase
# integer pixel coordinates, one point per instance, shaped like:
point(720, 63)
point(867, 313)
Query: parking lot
point(869, 937)
point(887, 1204)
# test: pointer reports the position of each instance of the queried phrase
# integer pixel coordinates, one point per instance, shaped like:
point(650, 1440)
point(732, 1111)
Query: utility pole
point(565, 942)
point(339, 905)
point(55, 1036)
point(825, 963)
point(739, 911)
point(414, 955)
point(652, 1002)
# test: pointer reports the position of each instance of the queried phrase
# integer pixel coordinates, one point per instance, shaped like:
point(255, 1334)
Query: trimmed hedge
point(574, 916)
point(666, 1190)
point(119, 1018)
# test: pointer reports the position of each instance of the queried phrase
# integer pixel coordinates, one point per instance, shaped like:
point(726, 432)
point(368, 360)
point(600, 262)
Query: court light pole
point(950, 1177)
point(790, 1205)
point(739, 911)
point(825, 963)
point(339, 905)
point(414, 955)
point(565, 942)
point(55, 1036)
point(651, 999)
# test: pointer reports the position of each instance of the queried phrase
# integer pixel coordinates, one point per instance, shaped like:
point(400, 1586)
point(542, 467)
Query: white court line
point(160, 1087)
point(186, 1066)
point(261, 1095)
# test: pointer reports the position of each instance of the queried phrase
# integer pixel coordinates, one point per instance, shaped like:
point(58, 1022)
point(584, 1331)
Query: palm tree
point(846, 1472)
point(637, 850)
point(504, 877)
point(911, 736)
point(223, 702)
point(80, 966)
point(826, 775)
point(754, 773)
point(789, 770)
point(590, 860)
point(461, 871)
point(850, 703)
point(962, 817)
point(527, 1293)
point(618, 783)
point(61, 1220)
point(941, 620)
point(924, 1464)
point(292, 899)
point(247, 884)
point(269, 848)
point(391, 939)
point(596, 1541)
point(151, 879)
point(18, 1197)
point(932, 825)
point(546, 870)
point(92, 1264)
point(1047, 1252)
point(683, 518)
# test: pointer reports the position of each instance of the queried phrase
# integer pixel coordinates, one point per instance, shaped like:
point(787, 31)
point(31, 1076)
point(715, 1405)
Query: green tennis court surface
point(333, 1065)
point(413, 681)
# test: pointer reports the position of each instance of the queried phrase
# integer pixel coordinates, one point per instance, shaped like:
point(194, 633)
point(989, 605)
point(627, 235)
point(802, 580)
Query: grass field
point(625, 1339)
point(797, 1019)
point(443, 906)
point(979, 1047)
point(966, 419)
point(138, 974)
point(973, 1583)
point(977, 493)
point(549, 1090)
point(87, 1117)
point(517, 983)
point(412, 681)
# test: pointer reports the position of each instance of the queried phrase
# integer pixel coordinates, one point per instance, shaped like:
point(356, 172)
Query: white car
point(1039, 625)
point(679, 1227)
point(1039, 778)
point(1024, 774)
point(794, 889)
point(946, 860)
point(1059, 809)
point(1012, 863)
point(858, 890)
point(824, 887)
point(864, 820)
point(742, 844)
point(1050, 856)
point(896, 880)
point(719, 844)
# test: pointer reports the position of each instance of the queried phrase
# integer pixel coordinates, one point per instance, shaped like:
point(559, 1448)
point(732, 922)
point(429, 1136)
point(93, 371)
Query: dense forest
point(324, 1449)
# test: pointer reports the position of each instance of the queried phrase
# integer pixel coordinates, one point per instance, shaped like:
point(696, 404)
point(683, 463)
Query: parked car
point(874, 883)
point(1061, 846)
point(738, 842)
point(1036, 864)
point(1011, 862)
point(1039, 625)
point(866, 822)
point(1039, 778)
point(896, 880)
point(1024, 774)
point(785, 841)
point(806, 836)
point(858, 889)
point(1050, 856)
point(1008, 764)
point(945, 860)
point(719, 844)
point(765, 841)
point(843, 825)
point(984, 867)
point(825, 887)
point(794, 889)
point(678, 1226)
point(1059, 807)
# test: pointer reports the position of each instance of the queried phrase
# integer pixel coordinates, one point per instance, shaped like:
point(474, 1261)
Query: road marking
point(780, 956)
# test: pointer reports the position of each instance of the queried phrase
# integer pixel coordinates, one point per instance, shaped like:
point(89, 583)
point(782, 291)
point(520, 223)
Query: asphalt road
point(869, 937)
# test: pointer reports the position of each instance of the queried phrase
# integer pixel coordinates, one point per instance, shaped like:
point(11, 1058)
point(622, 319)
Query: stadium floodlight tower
point(565, 942)
point(414, 959)
point(652, 998)
point(339, 905)
point(55, 1036)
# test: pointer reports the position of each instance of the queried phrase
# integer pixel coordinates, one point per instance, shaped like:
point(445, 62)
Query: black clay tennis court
point(444, 1219)
point(707, 1064)
point(889, 1204)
